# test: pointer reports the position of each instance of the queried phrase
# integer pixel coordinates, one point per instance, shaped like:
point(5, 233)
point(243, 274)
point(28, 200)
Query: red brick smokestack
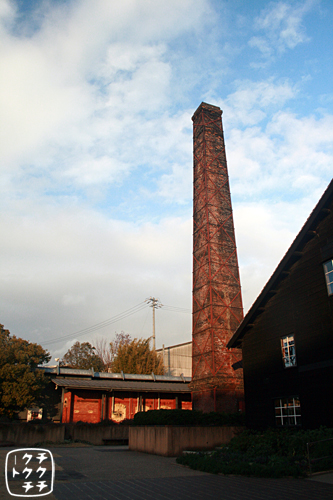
point(217, 301)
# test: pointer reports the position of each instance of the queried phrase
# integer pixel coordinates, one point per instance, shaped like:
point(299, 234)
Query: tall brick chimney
point(217, 302)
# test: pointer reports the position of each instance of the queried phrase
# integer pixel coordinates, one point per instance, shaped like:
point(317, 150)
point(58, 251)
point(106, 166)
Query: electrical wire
point(175, 309)
point(98, 326)
point(144, 322)
point(125, 314)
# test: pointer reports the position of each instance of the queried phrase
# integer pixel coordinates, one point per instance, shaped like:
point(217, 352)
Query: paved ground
point(115, 473)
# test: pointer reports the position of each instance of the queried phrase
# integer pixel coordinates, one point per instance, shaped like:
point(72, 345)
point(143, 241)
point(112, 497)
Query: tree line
point(122, 354)
point(22, 384)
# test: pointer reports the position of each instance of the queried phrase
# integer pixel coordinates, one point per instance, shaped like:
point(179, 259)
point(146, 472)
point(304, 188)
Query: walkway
point(115, 473)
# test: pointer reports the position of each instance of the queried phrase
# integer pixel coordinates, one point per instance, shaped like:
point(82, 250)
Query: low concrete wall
point(27, 434)
point(171, 440)
point(30, 434)
point(96, 434)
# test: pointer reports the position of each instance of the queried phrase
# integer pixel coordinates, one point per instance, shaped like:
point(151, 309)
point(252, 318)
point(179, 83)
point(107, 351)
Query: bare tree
point(103, 350)
point(108, 351)
point(121, 339)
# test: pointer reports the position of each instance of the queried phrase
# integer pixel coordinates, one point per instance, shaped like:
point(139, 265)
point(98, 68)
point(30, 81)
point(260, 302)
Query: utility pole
point(154, 303)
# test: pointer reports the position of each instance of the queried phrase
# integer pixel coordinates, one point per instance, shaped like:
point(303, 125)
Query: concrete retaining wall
point(96, 434)
point(170, 441)
point(29, 434)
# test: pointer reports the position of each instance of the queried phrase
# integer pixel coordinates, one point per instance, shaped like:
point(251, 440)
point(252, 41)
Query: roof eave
point(287, 261)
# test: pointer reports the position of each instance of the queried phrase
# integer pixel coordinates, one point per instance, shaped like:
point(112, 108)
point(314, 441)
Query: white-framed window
point(328, 269)
point(287, 411)
point(288, 351)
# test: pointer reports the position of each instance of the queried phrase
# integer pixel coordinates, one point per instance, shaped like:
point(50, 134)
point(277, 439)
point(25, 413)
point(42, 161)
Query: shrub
point(273, 453)
point(241, 464)
point(187, 418)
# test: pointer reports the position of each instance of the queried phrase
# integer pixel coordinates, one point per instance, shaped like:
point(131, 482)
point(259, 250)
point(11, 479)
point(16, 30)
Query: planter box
point(171, 440)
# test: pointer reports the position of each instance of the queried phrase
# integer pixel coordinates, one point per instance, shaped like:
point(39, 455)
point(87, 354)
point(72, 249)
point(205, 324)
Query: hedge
point(188, 418)
point(273, 453)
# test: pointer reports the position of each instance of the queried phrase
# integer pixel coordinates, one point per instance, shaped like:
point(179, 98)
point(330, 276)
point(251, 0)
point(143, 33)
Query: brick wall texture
point(217, 302)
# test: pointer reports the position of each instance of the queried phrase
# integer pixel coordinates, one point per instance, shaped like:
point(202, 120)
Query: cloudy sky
point(96, 99)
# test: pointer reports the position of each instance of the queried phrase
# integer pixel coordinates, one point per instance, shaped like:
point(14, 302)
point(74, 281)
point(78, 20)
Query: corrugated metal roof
point(120, 376)
point(173, 346)
point(121, 385)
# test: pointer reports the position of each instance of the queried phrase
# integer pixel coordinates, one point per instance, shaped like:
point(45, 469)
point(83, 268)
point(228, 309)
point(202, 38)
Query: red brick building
point(91, 397)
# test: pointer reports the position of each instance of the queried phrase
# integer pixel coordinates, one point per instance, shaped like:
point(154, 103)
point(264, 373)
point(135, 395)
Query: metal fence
point(317, 452)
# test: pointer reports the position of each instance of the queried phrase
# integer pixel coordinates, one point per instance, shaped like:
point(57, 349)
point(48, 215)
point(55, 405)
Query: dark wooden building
point(287, 335)
point(88, 396)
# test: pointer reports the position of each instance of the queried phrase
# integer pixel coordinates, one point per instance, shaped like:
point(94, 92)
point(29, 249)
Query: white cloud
point(70, 300)
point(7, 12)
point(92, 171)
point(82, 83)
point(270, 150)
point(282, 24)
point(252, 101)
point(264, 232)
point(74, 268)
point(98, 98)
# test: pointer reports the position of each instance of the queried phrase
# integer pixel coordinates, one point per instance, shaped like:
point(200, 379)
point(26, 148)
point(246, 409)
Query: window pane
point(328, 266)
point(329, 277)
point(288, 351)
point(291, 411)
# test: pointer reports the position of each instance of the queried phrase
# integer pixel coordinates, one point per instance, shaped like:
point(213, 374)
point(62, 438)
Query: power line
point(176, 309)
point(152, 302)
point(98, 326)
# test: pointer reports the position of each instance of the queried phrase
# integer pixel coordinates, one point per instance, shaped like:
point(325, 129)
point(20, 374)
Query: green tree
point(83, 356)
point(20, 383)
point(137, 357)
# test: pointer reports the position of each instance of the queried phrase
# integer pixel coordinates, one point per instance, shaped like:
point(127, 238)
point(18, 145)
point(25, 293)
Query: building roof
point(72, 378)
point(78, 373)
point(294, 253)
point(121, 385)
point(174, 346)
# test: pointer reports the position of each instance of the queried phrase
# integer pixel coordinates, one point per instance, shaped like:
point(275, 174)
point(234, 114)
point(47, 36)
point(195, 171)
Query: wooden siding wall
point(300, 307)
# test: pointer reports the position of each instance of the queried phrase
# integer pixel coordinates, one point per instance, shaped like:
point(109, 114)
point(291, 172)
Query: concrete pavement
point(115, 473)
point(322, 478)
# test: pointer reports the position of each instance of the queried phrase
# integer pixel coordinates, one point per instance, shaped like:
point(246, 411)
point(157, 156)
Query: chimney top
point(208, 107)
